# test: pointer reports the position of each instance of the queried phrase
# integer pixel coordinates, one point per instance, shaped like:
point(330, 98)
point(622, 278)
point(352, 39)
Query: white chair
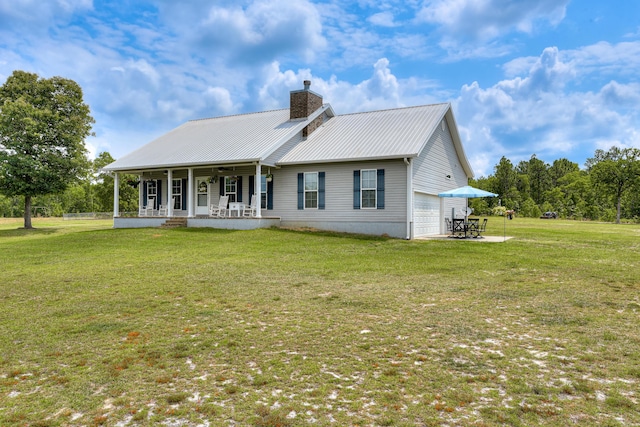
point(162, 210)
point(147, 210)
point(252, 209)
point(221, 209)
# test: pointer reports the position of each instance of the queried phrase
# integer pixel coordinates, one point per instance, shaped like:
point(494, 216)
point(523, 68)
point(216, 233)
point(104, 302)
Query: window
point(152, 190)
point(311, 190)
point(263, 192)
point(230, 187)
point(176, 193)
point(368, 185)
point(368, 189)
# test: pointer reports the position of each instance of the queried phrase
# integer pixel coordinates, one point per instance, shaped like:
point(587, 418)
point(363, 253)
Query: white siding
point(438, 160)
point(339, 213)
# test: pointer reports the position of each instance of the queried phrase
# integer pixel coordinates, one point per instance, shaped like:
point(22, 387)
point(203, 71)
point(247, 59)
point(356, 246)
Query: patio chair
point(250, 210)
point(147, 210)
point(473, 227)
point(459, 228)
point(221, 209)
point(447, 222)
point(162, 210)
point(482, 227)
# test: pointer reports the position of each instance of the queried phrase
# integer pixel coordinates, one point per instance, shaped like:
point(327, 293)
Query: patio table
point(236, 207)
point(464, 229)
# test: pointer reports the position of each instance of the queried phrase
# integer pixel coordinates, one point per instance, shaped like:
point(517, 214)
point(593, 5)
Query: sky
point(554, 78)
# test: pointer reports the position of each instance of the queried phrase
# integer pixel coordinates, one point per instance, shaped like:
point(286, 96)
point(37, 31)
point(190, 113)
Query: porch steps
point(175, 222)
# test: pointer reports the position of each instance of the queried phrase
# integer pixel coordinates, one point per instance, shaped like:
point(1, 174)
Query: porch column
point(169, 193)
point(409, 164)
point(141, 202)
point(258, 190)
point(116, 195)
point(190, 194)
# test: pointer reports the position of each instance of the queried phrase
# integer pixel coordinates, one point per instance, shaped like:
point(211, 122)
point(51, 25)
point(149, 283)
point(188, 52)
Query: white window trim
point(177, 194)
point(263, 191)
point(362, 189)
point(304, 184)
point(227, 181)
point(152, 184)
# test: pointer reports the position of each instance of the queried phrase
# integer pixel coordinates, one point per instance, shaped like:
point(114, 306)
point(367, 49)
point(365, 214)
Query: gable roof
point(242, 138)
point(374, 135)
point(248, 138)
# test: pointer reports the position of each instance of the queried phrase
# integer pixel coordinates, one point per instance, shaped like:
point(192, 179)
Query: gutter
point(407, 161)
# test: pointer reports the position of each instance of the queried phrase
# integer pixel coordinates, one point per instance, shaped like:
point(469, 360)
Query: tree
point(43, 125)
point(538, 179)
point(506, 179)
point(560, 168)
point(103, 186)
point(615, 172)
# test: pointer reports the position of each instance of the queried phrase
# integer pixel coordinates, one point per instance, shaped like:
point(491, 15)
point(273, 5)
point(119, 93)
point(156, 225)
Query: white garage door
point(426, 215)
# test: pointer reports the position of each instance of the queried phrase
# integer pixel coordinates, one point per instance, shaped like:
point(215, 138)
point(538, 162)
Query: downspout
point(407, 162)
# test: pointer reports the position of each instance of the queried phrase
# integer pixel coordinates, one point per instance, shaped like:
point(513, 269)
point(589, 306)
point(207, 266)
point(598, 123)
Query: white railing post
point(169, 193)
point(141, 202)
point(190, 185)
point(258, 190)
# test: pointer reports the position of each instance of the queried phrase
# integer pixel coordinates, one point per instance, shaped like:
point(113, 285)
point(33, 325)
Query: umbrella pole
point(504, 229)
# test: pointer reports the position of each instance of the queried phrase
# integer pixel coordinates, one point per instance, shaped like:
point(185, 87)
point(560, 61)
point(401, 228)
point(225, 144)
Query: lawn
point(189, 327)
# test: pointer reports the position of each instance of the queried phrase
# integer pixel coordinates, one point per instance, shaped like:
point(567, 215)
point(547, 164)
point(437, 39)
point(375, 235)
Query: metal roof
point(244, 138)
point(228, 139)
point(384, 134)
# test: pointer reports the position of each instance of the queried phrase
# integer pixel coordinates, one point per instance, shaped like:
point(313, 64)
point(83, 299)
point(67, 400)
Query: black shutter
point(356, 189)
point(184, 194)
point(269, 195)
point(222, 186)
point(252, 187)
point(239, 189)
point(300, 191)
point(380, 201)
point(320, 190)
point(158, 194)
point(144, 193)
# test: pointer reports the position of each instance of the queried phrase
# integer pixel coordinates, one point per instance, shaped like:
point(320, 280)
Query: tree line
point(606, 189)
point(91, 191)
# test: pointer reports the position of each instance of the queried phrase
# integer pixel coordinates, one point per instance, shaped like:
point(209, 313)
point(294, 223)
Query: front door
point(202, 196)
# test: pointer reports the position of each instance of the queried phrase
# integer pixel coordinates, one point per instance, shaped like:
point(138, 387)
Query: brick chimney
point(302, 104)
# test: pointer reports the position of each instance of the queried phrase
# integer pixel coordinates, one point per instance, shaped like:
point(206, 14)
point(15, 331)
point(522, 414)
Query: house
point(376, 172)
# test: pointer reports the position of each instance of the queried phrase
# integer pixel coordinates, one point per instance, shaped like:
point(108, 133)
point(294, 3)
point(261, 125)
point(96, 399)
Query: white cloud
point(470, 27)
point(382, 90)
point(256, 33)
point(487, 19)
point(545, 112)
point(382, 19)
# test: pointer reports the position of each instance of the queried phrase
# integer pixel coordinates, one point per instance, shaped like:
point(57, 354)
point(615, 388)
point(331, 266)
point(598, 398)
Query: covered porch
point(191, 192)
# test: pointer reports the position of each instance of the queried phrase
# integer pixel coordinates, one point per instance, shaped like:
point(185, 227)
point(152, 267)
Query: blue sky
point(555, 78)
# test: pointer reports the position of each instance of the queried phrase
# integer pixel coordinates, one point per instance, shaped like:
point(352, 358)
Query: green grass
point(284, 328)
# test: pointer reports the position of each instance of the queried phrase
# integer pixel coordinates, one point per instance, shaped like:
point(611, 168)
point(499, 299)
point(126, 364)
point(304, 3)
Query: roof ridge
point(237, 115)
point(393, 109)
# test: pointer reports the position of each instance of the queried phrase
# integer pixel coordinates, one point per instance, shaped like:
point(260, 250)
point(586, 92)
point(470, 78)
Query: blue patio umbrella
point(467, 192)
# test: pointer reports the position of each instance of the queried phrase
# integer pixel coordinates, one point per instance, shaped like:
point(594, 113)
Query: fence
point(87, 215)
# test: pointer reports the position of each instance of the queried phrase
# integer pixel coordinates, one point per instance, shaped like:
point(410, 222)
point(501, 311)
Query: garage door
point(426, 215)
